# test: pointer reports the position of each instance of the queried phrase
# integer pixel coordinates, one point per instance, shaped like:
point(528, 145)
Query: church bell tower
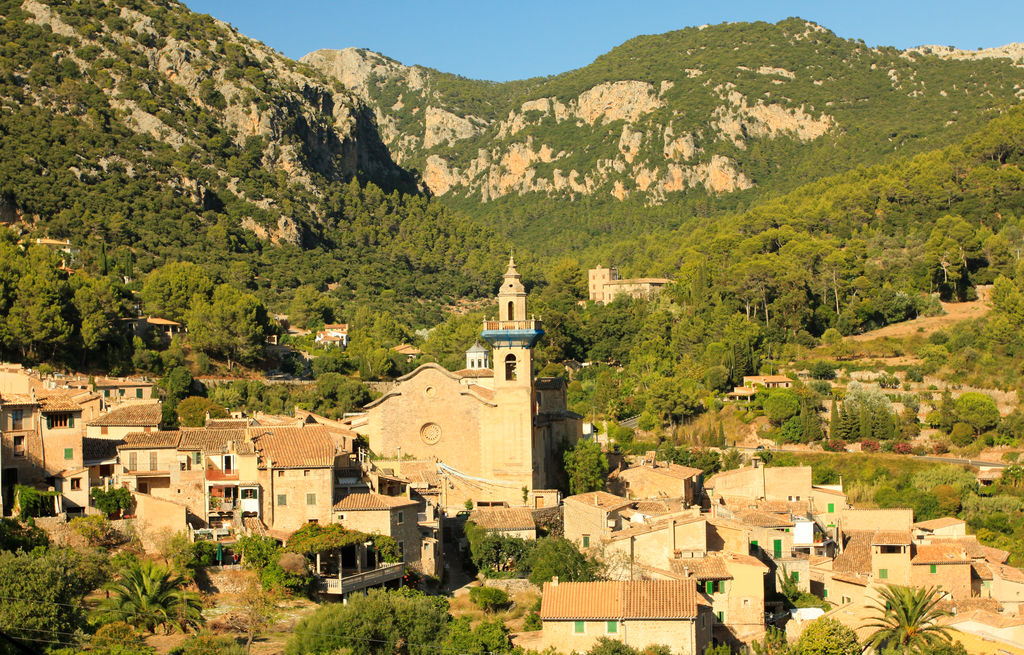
point(512, 338)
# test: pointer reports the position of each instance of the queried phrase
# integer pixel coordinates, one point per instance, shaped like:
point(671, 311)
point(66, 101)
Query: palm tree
point(906, 619)
point(148, 595)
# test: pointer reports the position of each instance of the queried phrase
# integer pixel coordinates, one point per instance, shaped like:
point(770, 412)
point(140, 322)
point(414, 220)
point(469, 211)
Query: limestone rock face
point(626, 100)
point(445, 127)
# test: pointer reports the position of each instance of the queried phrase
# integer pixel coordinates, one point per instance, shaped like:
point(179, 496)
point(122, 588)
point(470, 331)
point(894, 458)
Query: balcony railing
point(216, 474)
point(349, 583)
point(222, 505)
point(531, 324)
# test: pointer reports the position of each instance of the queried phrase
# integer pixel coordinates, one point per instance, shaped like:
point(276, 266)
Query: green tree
point(169, 291)
point(489, 599)
point(148, 595)
point(905, 617)
point(554, 556)
point(827, 636)
point(192, 411)
point(977, 410)
point(118, 638)
point(232, 324)
point(377, 623)
point(586, 467)
point(781, 404)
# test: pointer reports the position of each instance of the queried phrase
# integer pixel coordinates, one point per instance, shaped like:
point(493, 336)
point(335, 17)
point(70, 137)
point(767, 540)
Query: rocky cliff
point(714, 110)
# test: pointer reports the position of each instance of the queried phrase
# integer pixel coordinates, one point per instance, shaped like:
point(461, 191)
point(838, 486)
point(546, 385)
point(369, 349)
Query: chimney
point(554, 581)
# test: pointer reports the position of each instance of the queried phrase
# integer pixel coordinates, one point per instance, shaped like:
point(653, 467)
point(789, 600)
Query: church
point(492, 432)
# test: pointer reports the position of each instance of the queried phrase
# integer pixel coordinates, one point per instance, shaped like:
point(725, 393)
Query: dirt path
point(955, 312)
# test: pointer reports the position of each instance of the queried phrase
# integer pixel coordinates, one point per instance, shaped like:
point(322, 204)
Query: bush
point(822, 370)
point(97, 530)
point(532, 622)
point(489, 599)
point(112, 501)
point(962, 434)
point(781, 405)
point(835, 446)
point(902, 448)
point(869, 446)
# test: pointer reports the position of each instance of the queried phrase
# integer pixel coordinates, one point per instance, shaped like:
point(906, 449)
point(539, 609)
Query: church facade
point(495, 434)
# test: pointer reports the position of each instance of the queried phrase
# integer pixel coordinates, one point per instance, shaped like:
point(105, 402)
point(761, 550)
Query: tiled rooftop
point(368, 501)
point(135, 415)
point(503, 518)
point(601, 499)
point(158, 439)
point(711, 567)
point(940, 554)
point(288, 447)
point(636, 599)
point(938, 524)
point(210, 440)
point(891, 538)
point(856, 556)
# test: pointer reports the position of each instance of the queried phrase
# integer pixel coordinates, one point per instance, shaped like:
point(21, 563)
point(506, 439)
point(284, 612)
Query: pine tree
point(833, 419)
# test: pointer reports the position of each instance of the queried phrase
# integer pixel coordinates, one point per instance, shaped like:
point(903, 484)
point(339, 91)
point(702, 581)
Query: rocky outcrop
point(445, 127)
point(739, 121)
point(626, 100)
point(1012, 51)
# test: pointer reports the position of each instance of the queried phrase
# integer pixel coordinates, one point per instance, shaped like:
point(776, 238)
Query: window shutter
point(49, 422)
point(71, 420)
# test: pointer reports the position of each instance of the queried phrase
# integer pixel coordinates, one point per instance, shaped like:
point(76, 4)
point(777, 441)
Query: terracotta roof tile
point(368, 501)
point(215, 441)
point(856, 556)
point(937, 524)
point(228, 423)
point(287, 447)
point(981, 570)
point(764, 520)
point(659, 506)
point(891, 538)
point(1010, 573)
point(969, 543)
point(621, 599)
point(62, 401)
point(601, 499)
point(475, 373)
point(659, 472)
point(996, 555)
point(158, 439)
point(711, 567)
point(483, 392)
point(834, 492)
point(503, 518)
point(18, 400)
point(940, 554)
point(135, 415)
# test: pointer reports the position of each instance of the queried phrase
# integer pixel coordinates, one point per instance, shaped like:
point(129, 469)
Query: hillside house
point(653, 479)
point(639, 613)
point(334, 335)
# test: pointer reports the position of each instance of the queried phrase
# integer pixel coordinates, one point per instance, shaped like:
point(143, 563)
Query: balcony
point(214, 474)
point(531, 324)
point(346, 584)
point(222, 505)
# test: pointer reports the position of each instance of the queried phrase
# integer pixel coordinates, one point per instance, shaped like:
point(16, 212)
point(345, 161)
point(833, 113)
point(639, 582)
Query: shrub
point(489, 599)
point(112, 501)
point(532, 622)
point(97, 530)
point(835, 445)
point(869, 446)
point(822, 370)
point(962, 434)
point(902, 448)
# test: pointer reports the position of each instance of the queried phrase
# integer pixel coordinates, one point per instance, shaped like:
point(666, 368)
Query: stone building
point(495, 438)
point(604, 285)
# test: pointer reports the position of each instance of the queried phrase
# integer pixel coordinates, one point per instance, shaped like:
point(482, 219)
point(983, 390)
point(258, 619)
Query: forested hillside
point(148, 134)
point(669, 126)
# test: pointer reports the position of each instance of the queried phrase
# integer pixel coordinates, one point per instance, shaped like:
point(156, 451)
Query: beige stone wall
point(681, 636)
point(744, 611)
point(658, 547)
point(820, 504)
point(74, 499)
point(896, 565)
point(725, 538)
point(113, 432)
point(876, 519)
point(294, 485)
point(155, 517)
point(954, 578)
point(55, 444)
point(1010, 594)
point(642, 482)
point(580, 519)
point(399, 524)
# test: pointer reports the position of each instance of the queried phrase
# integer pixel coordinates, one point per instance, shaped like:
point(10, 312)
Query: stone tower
point(512, 338)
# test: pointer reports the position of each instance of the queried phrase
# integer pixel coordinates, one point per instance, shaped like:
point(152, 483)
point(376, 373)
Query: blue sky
point(516, 39)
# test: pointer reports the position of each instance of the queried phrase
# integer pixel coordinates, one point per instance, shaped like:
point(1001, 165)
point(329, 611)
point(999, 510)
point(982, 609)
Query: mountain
point(147, 133)
point(699, 119)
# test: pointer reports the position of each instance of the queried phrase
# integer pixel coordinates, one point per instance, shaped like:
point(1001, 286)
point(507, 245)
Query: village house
point(604, 285)
point(638, 613)
point(123, 390)
point(516, 522)
point(118, 423)
point(396, 517)
point(653, 479)
point(334, 335)
point(591, 517)
point(735, 585)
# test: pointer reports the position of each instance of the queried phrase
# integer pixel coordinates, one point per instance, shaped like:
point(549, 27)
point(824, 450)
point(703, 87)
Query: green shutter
point(883, 574)
point(795, 575)
point(824, 593)
point(197, 458)
point(777, 548)
point(613, 627)
point(49, 422)
point(709, 586)
point(586, 541)
point(69, 453)
point(831, 507)
point(138, 393)
point(577, 627)
point(931, 568)
point(71, 420)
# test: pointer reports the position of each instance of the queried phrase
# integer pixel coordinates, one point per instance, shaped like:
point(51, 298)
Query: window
point(17, 415)
point(76, 484)
point(133, 461)
point(511, 311)
point(104, 429)
point(831, 508)
point(612, 627)
point(510, 367)
point(19, 446)
point(932, 568)
point(282, 500)
point(341, 517)
point(883, 574)
point(311, 499)
point(578, 627)
point(401, 518)
point(248, 494)
point(824, 593)
point(777, 548)
point(138, 393)
point(712, 586)
point(69, 453)
point(229, 463)
point(313, 521)
point(280, 474)
point(59, 421)
point(586, 541)
point(305, 473)
point(120, 392)
point(197, 458)
point(720, 616)
point(152, 460)
point(106, 393)
point(795, 576)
